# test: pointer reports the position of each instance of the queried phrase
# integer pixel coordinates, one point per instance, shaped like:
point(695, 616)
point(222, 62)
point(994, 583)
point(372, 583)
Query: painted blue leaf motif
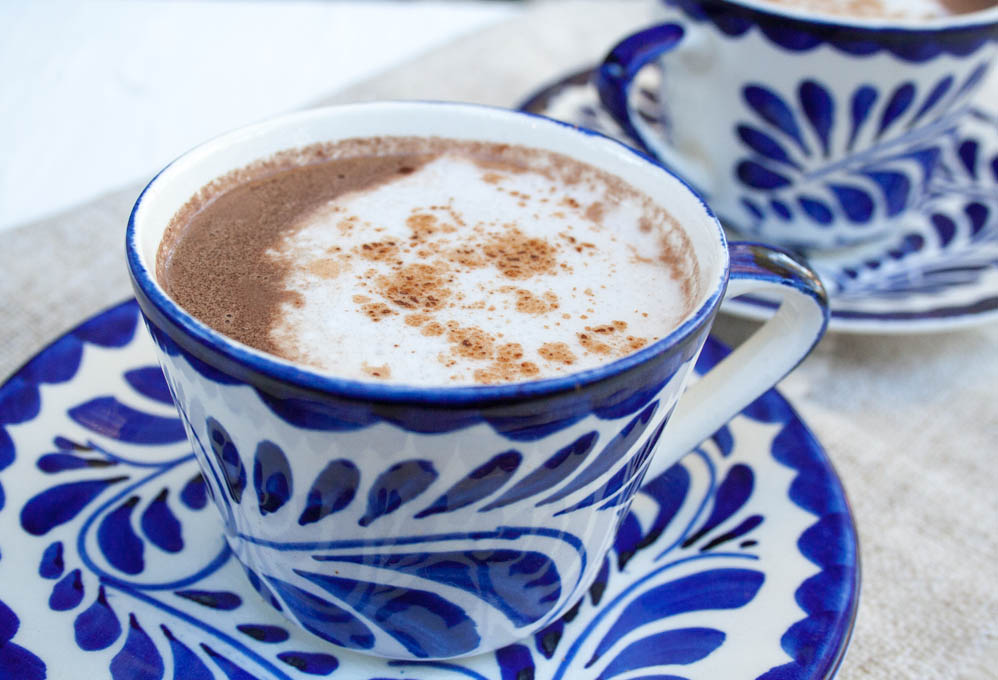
point(18, 662)
point(186, 664)
point(863, 100)
point(61, 503)
point(522, 585)
point(732, 494)
point(974, 78)
point(760, 177)
point(968, 152)
point(216, 599)
point(58, 363)
point(746, 526)
point(855, 203)
point(109, 417)
point(228, 459)
point(60, 462)
point(896, 188)
point(260, 587)
point(193, 494)
point(816, 209)
point(945, 228)
point(706, 590)
point(598, 587)
point(9, 623)
point(781, 209)
point(765, 145)
point(117, 539)
point(332, 490)
point(927, 158)
point(138, 659)
point(555, 469)
point(611, 454)
point(681, 646)
point(938, 92)
point(397, 485)
point(161, 526)
point(899, 102)
point(753, 209)
point(149, 382)
point(819, 107)
point(311, 663)
point(546, 639)
point(670, 488)
point(515, 662)
point(323, 618)
point(627, 474)
point(423, 622)
point(231, 670)
point(978, 214)
point(67, 593)
point(263, 633)
point(19, 401)
point(480, 483)
point(775, 111)
point(272, 477)
point(97, 626)
point(113, 328)
point(6, 445)
point(52, 563)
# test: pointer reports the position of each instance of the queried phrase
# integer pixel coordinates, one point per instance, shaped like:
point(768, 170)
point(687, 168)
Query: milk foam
point(419, 280)
point(891, 9)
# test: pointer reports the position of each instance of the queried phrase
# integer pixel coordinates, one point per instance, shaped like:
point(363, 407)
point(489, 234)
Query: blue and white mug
point(801, 129)
point(415, 522)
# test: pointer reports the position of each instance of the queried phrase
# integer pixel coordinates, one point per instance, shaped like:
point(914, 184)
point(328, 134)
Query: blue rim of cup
point(798, 30)
point(158, 307)
point(979, 18)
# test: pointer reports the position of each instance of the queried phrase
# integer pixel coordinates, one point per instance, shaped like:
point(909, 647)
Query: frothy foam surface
point(454, 268)
point(889, 9)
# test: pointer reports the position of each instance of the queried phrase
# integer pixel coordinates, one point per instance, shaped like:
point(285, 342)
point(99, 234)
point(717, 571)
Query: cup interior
point(167, 193)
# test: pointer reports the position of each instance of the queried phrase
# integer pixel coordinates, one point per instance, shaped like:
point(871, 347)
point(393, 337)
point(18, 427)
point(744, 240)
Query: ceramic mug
point(804, 130)
point(416, 522)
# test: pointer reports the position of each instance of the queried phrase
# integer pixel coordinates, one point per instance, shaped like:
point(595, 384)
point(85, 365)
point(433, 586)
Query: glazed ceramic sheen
point(439, 522)
point(802, 130)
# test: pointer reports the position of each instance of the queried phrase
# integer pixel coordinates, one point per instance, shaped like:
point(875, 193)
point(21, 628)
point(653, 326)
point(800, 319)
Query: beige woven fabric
point(911, 422)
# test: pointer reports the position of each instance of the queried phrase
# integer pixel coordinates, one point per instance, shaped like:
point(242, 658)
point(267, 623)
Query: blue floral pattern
point(111, 539)
point(795, 167)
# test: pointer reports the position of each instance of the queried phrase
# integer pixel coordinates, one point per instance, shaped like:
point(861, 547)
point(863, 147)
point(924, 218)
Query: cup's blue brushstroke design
point(155, 506)
point(333, 490)
point(522, 585)
point(481, 482)
point(272, 477)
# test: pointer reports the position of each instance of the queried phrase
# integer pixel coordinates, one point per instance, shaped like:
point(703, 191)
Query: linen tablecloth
point(910, 421)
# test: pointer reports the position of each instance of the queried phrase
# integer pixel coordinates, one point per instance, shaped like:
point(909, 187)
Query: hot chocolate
point(888, 9)
point(430, 262)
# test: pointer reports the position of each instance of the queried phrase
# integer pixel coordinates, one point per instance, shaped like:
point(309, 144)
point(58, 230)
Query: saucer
point(739, 562)
point(939, 273)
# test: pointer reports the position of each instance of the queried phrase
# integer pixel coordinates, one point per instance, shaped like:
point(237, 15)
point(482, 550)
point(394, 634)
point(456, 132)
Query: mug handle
point(762, 360)
point(613, 80)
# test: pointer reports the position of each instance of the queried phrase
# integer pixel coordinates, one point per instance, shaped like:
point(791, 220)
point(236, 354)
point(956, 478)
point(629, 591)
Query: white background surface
point(96, 95)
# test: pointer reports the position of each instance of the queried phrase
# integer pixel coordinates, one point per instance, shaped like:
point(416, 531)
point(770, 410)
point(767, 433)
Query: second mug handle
point(613, 81)
point(759, 362)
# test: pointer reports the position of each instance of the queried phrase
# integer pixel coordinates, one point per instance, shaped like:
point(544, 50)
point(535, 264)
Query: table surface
point(910, 422)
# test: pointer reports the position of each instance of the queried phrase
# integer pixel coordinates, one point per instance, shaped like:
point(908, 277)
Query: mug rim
point(978, 18)
point(150, 294)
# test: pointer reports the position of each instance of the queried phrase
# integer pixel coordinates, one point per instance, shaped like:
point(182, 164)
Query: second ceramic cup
point(802, 129)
